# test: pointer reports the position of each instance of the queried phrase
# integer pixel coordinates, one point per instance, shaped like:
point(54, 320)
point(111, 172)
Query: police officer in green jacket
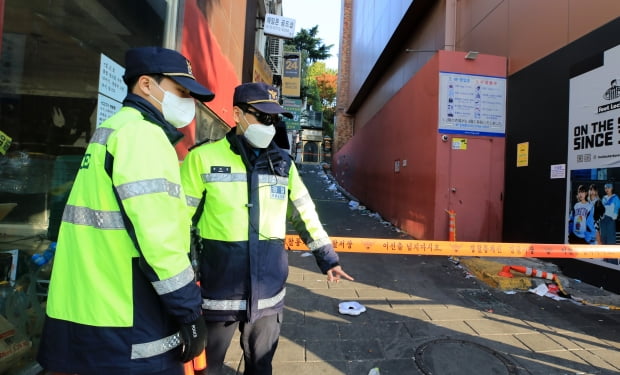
point(122, 298)
point(245, 188)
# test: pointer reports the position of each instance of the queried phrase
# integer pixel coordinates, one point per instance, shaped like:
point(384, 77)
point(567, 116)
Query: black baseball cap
point(261, 96)
point(157, 60)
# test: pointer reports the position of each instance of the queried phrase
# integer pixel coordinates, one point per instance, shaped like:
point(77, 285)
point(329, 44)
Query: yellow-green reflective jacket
point(247, 201)
point(122, 282)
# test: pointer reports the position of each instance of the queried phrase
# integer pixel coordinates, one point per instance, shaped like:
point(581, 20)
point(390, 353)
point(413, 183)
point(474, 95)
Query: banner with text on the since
point(458, 248)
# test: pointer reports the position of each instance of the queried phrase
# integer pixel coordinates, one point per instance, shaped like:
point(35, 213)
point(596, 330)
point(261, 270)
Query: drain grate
point(454, 356)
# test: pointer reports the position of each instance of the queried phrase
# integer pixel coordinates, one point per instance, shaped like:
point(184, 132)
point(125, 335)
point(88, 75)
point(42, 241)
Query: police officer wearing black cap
point(245, 189)
point(122, 298)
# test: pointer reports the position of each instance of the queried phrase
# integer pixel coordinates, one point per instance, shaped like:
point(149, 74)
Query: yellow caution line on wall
point(457, 248)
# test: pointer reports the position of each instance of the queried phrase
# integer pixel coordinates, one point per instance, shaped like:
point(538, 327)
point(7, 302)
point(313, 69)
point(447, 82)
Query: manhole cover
point(452, 356)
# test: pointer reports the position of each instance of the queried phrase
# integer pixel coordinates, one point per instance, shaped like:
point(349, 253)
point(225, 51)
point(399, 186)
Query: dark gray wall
point(537, 112)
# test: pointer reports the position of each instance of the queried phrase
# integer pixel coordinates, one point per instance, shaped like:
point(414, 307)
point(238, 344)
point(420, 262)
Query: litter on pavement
point(351, 308)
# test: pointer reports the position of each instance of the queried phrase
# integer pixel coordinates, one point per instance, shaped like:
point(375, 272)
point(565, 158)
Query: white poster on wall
point(111, 82)
point(472, 104)
point(594, 152)
point(593, 112)
point(112, 88)
point(106, 107)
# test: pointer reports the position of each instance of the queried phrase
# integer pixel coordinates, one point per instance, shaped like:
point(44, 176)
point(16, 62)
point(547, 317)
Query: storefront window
point(49, 75)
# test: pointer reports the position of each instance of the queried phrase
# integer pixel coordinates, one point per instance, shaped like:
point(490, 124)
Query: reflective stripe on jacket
point(121, 281)
point(243, 264)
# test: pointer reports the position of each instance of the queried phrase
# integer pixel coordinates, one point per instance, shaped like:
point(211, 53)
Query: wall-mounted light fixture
point(471, 55)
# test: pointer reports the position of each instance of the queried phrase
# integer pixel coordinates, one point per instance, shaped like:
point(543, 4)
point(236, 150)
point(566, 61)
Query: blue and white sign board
point(472, 104)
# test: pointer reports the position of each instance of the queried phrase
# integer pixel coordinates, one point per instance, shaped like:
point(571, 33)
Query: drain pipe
point(450, 29)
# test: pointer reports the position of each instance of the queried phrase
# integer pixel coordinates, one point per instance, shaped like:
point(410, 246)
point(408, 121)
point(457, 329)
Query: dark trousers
point(608, 230)
point(259, 341)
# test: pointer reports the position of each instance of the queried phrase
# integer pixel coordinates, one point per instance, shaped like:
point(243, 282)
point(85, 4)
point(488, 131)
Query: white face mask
point(177, 111)
point(259, 135)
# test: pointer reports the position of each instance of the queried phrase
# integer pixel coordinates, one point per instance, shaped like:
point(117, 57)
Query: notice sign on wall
point(523, 154)
point(111, 82)
point(472, 104)
point(558, 171)
point(106, 107)
point(459, 143)
point(112, 88)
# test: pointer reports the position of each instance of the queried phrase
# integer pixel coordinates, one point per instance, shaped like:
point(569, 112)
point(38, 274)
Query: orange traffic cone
point(527, 271)
point(535, 273)
point(452, 225)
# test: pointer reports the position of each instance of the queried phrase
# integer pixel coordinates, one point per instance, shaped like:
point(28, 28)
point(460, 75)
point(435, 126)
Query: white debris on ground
point(576, 292)
point(351, 308)
point(579, 293)
point(354, 205)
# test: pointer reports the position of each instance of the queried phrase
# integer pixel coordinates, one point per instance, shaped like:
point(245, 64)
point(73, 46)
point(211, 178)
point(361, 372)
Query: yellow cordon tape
point(475, 249)
point(458, 248)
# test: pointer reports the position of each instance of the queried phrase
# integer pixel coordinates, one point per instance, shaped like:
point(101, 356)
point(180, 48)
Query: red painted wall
point(210, 67)
point(401, 130)
point(405, 131)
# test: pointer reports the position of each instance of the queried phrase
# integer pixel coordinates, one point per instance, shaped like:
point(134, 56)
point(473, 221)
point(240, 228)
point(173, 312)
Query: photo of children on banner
point(581, 228)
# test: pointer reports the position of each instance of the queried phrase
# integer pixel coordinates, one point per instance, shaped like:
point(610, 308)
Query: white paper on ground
point(541, 290)
point(351, 308)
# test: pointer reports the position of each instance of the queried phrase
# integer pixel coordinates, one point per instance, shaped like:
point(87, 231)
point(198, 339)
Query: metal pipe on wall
point(173, 24)
point(450, 28)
